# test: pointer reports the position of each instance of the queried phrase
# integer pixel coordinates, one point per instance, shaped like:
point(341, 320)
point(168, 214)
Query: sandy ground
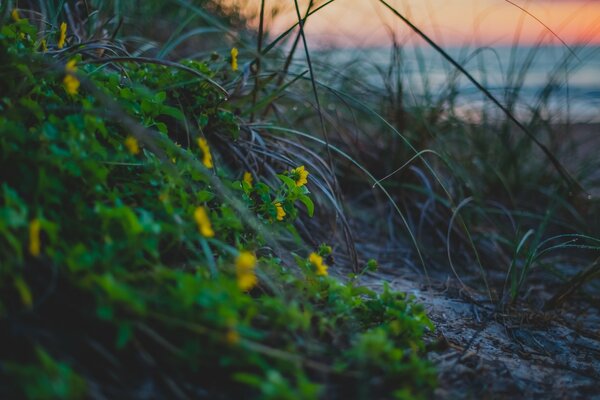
point(485, 354)
point(522, 352)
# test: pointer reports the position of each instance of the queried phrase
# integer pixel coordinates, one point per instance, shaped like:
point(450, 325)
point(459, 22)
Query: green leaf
point(204, 196)
point(160, 97)
point(310, 206)
point(124, 334)
point(172, 112)
point(289, 182)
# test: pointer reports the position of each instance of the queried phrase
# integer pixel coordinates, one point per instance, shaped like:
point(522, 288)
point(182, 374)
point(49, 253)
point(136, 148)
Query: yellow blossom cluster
point(132, 145)
point(300, 175)
point(206, 156)
point(70, 81)
point(203, 222)
point(63, 36)
point(280, 211)
point(317, 261)
point(244, 268)
point(15, 15)
point(234, 59)
point(248, 178)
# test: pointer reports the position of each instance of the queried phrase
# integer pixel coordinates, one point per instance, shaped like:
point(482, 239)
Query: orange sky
point(477, 22)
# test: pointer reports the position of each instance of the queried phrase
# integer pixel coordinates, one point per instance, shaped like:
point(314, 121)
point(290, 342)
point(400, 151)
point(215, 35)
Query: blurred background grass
point(410, 163)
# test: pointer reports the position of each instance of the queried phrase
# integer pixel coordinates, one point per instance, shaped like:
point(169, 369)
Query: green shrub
point(133, 266)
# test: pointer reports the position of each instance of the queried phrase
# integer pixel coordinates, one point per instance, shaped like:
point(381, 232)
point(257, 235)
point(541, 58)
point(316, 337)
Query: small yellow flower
point(206, 156)
point(44, 45)
point(244, 268)
point(71, 66)
point(15, 15)
point(247, 282)
point(248, 178)
point(317, 261)
point(204, 226)
point(63, 35)
point(300, 175)
point(280, 211)
point(71, 84)
point(232, 337)
point(234, 59)
point(132, 145)
point(70, 81)
point(35, 245)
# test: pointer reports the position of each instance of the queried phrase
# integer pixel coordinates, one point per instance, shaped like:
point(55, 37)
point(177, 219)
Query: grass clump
point(138, 261)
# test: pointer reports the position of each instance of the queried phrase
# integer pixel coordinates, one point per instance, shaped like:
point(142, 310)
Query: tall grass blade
point(257, 60)
point(371, 177)
point(571, 182)
point(348, 233)
point(291, 28)
point(546, 27)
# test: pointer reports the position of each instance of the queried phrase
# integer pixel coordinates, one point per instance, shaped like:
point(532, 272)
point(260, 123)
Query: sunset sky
point(450, 22)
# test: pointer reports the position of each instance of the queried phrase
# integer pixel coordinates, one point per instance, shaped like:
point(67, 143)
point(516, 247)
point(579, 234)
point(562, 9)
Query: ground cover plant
point(188, 211)
point(138, 262)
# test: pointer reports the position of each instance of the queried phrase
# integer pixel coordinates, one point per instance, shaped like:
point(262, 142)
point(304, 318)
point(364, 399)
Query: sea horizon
point(566, 78)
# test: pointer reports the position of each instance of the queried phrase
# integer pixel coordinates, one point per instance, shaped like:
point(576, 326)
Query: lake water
point(574, 81)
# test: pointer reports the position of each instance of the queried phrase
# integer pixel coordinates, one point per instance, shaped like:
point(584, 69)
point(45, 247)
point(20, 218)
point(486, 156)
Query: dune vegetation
point(191, 207)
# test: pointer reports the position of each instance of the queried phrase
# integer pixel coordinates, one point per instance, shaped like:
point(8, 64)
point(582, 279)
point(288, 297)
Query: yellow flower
point(247, 282)
point(71, 84)
point(63, 35)
point(234, 59)
point(71, 66)
point(280, 211)
point(317, 261)
point(244, 268)
point(232, 337)
point(34, 237)
point(70, 81)
point(44, 45)
point(206, 156)
point(132, 145)
point(248, 178)
point(15, 15)
point(300, 174)
point(203, 222)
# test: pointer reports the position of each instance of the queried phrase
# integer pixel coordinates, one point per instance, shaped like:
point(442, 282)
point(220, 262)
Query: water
point(573, 82)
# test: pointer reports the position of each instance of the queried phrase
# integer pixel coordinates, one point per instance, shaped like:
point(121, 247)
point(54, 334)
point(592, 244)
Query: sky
point(351, 23)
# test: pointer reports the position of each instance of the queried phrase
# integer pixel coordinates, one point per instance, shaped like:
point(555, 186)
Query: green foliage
point(47, 378)
point(110, 285)
point(264, 200)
